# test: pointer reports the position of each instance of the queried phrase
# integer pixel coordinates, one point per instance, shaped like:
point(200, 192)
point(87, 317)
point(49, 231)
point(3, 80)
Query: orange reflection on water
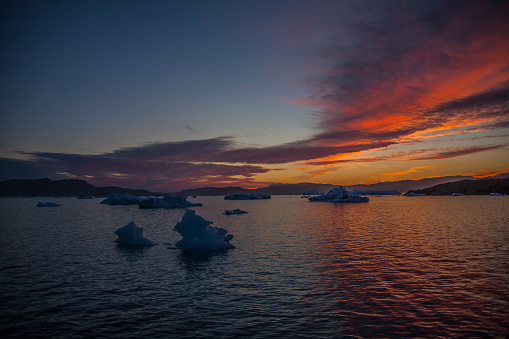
point(428, 261)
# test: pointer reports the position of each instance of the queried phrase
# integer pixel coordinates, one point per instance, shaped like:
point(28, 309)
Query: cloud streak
point(415, 71)
point(173, 165)
point(458, 152)
point(196, 163)
point(424, 154)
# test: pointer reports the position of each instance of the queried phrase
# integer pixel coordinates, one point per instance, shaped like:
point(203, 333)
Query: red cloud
point(444, 68)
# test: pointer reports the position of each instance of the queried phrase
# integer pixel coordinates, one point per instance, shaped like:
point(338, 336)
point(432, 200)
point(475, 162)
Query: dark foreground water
point(394, 267)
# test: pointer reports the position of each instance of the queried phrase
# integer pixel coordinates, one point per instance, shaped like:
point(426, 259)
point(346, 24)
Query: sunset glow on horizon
point(169, 96)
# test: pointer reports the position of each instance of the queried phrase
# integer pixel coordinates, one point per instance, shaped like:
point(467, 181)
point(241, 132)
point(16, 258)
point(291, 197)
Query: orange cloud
point(403, 90)
point(416, 169)
point(489, 173)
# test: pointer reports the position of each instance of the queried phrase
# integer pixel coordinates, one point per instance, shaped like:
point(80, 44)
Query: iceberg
point(121, 199)
point(339, 195)
point(168, 201)
point(413, 194)
point(198, 234)
point(235, 211)
point(47, 204)
point(132, 235)
point(252, 196)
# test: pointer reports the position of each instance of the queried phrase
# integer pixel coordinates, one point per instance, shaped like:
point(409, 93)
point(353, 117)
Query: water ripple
point(394, 267)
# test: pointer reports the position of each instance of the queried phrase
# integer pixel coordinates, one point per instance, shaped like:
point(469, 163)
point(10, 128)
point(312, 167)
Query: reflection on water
point(431, 267)
point(393, 267)
point(130, 253)
point(195, 259)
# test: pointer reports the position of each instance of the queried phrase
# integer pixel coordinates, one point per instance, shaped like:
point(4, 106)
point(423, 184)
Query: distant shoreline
point(429, 186)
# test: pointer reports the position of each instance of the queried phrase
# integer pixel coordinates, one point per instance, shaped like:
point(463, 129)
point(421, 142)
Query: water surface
point(393, 267)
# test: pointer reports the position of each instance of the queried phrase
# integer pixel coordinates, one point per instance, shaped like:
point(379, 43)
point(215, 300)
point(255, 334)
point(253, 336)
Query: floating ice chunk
point(413, 194)
point(197, 233)
point(339, 195)
point(235, 211)
point(132, 235)
point(121, 199)
point(47, 204)
point(168, 201)
point(150, 202)
point(252, 196)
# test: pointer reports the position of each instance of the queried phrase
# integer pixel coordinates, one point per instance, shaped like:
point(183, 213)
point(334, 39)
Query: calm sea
point(431, 267)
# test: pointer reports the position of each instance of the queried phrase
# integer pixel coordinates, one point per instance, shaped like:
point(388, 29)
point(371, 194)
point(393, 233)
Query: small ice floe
point(47, 204)
point(132, 235)
point(339, 195)
point(121, 199)
point(198, 234)
point(168, 201)
point(413, 194)
point(252, 196)
point(235, 211)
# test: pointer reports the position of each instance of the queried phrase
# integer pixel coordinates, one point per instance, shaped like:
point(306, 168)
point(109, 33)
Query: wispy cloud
point(416, 169)
point(451, 153)
point(415, 71)
point(420, 154)
point(293, 152)
point(489, 173)
point(226, 150)
point(172, 165)
point(175, 164)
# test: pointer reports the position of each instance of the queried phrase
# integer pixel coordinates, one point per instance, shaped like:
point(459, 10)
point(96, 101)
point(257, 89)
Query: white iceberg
point(339, 195)
point(121, 199)
point(235, 211)
point(252, 196)
point(47, 204)
point(168, 201)
point(132, 235)
point(197, 233)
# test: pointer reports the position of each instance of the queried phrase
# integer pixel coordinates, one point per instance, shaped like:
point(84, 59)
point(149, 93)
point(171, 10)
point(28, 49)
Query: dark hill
point(48, 187)
point(300, 188)
point(407, 185)
point(469, 187)
point(274, 189)
point(294, 189)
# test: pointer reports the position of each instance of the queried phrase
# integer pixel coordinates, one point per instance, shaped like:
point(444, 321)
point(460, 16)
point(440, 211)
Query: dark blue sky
point(87, 69)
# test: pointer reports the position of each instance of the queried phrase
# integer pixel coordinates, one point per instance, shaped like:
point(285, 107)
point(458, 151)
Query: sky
point(168, 95)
